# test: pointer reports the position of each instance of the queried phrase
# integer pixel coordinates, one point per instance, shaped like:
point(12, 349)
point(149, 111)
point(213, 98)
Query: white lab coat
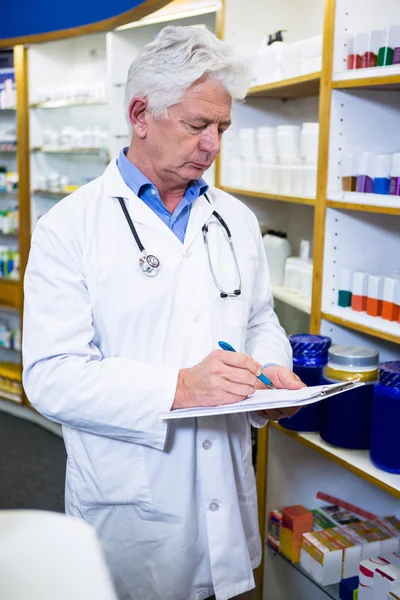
point(174, 504)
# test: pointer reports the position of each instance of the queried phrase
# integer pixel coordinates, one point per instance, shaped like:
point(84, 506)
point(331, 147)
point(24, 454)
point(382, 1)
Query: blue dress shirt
point(146, 191)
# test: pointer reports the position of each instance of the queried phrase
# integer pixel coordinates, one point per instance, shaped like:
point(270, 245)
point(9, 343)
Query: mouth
point(200, 166)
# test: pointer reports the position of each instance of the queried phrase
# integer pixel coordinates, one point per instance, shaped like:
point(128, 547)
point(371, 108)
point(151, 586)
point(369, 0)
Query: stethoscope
point(150, 264)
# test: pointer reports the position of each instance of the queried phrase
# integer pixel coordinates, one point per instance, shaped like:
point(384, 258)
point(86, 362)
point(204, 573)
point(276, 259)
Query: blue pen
point(265, 380)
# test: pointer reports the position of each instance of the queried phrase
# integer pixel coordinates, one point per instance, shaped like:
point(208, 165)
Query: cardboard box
point(389, 540)
point(348, 589)
point(274, 528)
point(296, 520)
point(366, 577)
point(386, 579)
point(371, 543)
point(321, 557)
point(351, 552)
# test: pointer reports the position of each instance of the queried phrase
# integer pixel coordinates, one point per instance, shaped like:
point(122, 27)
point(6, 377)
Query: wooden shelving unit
point(264, 196)
point(347, 228)
point(387, 82)
point(67, 103)
point(357, 461)
point(10, 294)
point(388, 333)
point(60, 150)
point(297, 87)
point(384, 210)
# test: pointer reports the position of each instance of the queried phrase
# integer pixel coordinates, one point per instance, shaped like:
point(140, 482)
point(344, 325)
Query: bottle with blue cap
point(310, 355)
point(385, 438)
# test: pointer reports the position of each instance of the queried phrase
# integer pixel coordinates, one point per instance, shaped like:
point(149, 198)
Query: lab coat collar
point(114, 187)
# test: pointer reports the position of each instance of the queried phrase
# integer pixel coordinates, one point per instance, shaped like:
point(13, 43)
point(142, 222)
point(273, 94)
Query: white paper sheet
point(261, 400)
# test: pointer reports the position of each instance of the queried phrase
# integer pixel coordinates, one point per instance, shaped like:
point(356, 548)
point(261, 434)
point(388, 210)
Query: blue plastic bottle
point(385, 438)
point(345, 420)
point(310, 355)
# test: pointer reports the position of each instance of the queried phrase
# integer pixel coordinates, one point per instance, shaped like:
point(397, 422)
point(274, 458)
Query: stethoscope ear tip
point(223, 295)
point(237, 292)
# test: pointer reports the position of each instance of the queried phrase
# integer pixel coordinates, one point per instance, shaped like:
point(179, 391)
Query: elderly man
point(131, 282)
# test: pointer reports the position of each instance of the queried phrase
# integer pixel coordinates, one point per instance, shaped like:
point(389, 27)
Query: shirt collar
point(138, 182)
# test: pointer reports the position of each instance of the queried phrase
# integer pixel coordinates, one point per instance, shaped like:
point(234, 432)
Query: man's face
point(183, 146)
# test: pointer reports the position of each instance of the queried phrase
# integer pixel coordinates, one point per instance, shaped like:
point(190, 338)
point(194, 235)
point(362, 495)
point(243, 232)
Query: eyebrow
point(210, 121)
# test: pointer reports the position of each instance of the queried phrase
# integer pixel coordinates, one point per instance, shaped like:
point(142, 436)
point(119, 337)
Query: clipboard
point(266, 400)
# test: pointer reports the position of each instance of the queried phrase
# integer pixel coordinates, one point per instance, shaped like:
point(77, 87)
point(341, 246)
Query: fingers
point(238, 375)
point(241, 389)
point(225, 398)
point(274, 414)
point(239, 360)
point(277, 414)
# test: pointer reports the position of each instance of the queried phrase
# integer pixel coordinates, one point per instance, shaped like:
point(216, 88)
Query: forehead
point(207, 98)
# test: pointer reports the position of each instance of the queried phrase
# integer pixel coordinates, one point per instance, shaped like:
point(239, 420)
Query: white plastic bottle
point(278, 249)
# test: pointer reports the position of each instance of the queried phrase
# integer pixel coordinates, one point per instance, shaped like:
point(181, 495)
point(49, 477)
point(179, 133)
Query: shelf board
point(356, 461)
point(60, 150)
point(375, 326)
point(10, 397)
point(372, 208)
point(65, 103)
point(378, 203)
point(10, 293)
point(49, 195)
point(281, 293)
point(332, 591)
point(8, 148)
point(13, 194)
point(278, 197)
point(7, 110)
point(296, 87)
point(10, 234)
point(377, 77)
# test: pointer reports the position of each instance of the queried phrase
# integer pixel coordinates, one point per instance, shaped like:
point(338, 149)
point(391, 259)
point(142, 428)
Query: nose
point(210, 140)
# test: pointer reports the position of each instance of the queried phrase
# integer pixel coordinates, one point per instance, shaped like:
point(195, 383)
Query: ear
point(138, 115)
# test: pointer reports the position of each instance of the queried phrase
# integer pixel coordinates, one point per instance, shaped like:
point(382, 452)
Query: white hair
point(179, 56)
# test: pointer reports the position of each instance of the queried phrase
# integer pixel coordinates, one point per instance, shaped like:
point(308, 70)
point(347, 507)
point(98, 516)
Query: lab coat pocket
point(109, 472)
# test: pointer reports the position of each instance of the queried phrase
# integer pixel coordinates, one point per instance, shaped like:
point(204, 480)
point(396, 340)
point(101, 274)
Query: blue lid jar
point(310, 350)
point(310, 355)
point(385, 439)
point(389, 374)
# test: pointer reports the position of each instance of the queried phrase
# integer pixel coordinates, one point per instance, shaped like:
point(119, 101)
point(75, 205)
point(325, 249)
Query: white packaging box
point(369, 549)
point(386, 579)
point(390, 523)
point(366, 577)
point(352, 551)
point(324, 560)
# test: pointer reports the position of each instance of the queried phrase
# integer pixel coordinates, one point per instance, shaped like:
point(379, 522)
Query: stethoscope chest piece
point(149, 264)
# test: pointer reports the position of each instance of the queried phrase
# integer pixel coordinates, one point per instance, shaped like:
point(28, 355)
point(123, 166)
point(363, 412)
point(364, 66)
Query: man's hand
point(221, 378)
point(282, 378)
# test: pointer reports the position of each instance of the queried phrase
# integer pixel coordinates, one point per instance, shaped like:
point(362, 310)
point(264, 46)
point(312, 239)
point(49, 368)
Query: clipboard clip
point(337, 389)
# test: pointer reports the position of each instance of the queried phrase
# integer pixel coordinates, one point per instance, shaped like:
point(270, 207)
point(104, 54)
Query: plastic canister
point(310, 355)
point(345, 420)
point(278, 249)
point(385, 439)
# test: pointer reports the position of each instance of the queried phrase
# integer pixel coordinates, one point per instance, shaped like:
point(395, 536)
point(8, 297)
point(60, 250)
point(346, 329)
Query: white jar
point(288, 144)
point(54, 182)
point(41, 183)
point(266, 144)
point(278, 249)
point(309, 143)
point(247, 144)
point(310, 181)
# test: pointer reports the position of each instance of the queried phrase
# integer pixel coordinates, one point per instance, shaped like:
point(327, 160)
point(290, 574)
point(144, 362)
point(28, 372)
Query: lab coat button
point(207, 444)
point(213, 506)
